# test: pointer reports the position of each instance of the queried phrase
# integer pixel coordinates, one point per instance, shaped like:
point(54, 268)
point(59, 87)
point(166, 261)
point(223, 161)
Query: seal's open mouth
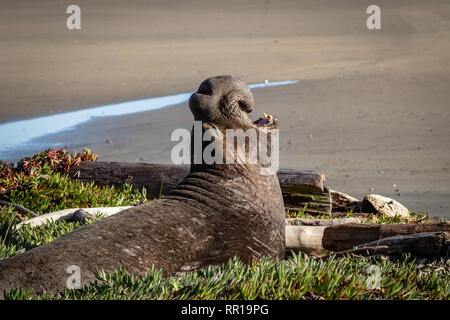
point(267, 120)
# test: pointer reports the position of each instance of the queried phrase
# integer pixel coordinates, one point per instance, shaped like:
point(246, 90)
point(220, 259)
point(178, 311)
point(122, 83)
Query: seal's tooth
point(265, 115)
point(270, 117)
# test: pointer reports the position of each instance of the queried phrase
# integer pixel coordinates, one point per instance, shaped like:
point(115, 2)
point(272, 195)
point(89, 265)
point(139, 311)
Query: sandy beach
point(371, 108)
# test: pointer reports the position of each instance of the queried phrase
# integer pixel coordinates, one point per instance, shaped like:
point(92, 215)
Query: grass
point(298, 277)
point(15, 241)
point(57, 191)
point(41, 184)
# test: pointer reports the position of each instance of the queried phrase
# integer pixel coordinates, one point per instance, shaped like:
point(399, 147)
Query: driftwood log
point(306, 235)
point(306, 239)
point(301, 189)
point(342, 202)
point(428, 244)
point(313, 203)
point(347, 236)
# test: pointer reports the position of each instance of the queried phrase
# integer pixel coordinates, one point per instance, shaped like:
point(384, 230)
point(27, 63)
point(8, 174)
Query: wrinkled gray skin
point(217, 212)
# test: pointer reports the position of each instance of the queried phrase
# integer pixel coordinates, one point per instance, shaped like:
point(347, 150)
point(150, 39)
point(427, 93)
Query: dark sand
point(371, 111)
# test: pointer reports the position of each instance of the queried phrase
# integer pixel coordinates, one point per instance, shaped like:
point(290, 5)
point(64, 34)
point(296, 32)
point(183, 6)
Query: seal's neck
point(226, 171)
point(239, 151)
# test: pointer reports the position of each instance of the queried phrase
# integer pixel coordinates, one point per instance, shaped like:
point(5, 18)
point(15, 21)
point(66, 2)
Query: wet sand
point(371, 109)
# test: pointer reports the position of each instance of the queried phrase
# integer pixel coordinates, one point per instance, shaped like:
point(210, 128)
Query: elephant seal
point(217, 212)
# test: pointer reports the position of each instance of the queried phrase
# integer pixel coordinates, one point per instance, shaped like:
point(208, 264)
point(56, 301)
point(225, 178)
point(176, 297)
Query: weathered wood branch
point(428, 244)
point(321, 222)
point(18, 207)
point(347, 236)
point(300, 188)
point(67, 214)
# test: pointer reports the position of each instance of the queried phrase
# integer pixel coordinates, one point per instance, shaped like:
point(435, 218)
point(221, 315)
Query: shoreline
point(18, 134)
